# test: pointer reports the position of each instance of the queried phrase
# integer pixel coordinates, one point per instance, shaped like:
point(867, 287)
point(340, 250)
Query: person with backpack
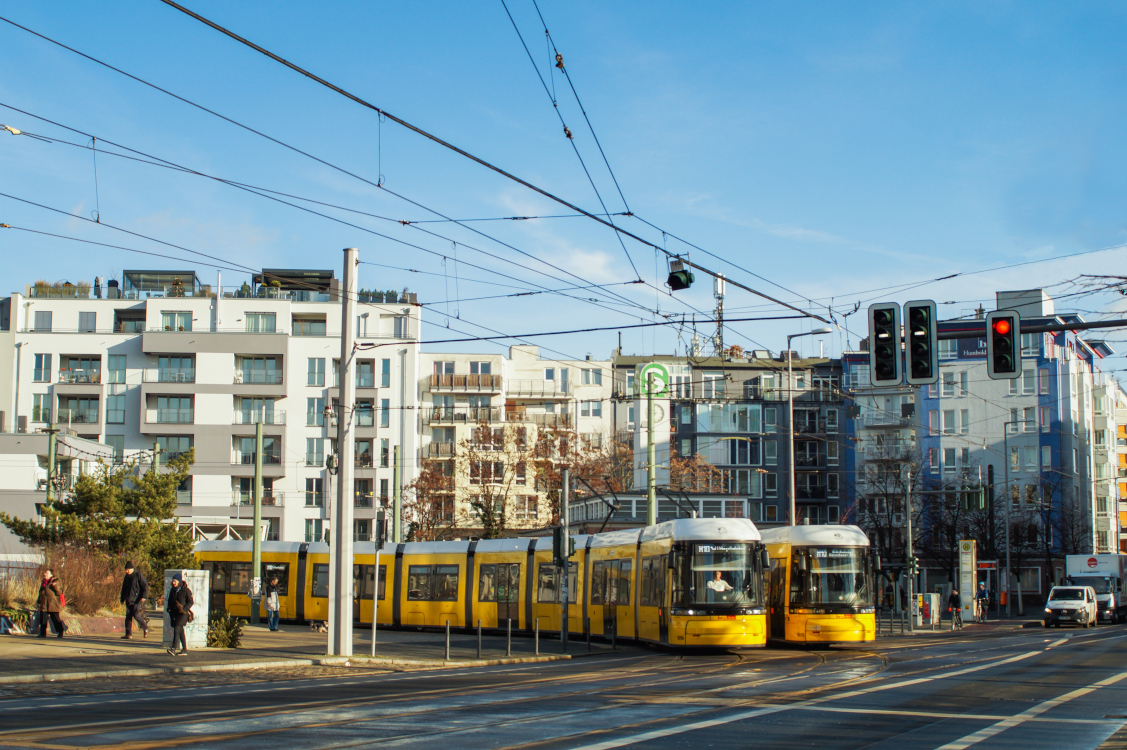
point(134, 592)
point(50, 603)
point(179, 608)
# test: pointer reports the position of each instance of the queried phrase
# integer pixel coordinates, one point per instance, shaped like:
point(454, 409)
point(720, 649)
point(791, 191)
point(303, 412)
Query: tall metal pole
point(256, 537)
point(340, 546)
point(52, 460)
point(651, 454)
point(911, 551)
point(792, 520)
point(1007, 500)
point(565, 497)
point(397, 499)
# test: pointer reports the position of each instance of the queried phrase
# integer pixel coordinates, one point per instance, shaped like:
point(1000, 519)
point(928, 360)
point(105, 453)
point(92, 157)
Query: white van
point(1073, 605)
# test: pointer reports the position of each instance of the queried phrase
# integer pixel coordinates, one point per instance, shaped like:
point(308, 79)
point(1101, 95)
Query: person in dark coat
point(134, 592)
point(50, 604)
point(178, 606)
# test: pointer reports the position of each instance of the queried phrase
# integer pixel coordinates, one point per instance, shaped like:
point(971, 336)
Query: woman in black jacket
point(178, 606)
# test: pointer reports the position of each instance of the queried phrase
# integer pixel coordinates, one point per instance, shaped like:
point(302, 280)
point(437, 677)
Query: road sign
point(653, 371)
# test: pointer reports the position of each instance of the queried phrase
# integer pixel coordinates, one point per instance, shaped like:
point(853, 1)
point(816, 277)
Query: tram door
point(508, 594)
point(776, 597)
point(219, 578)
point(363, 584)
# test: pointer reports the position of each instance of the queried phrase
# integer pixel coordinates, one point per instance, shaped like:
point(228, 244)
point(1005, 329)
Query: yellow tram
point(820, 588)
point(688, 582)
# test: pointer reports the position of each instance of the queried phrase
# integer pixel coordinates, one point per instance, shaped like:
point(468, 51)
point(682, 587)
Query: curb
point(329, 661)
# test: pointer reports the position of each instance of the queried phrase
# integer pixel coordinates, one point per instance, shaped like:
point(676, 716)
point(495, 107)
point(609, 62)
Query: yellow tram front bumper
point(833, 628)
point(719, 630)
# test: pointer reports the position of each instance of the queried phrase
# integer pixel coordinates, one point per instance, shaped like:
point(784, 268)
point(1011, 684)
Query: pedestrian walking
point(272, 613)
point(134, 592)
point(179, 608)
point(50, 603)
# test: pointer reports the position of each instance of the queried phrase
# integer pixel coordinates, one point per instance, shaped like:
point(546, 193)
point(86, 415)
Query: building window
point(385, 372)
point(591, 409)
point(314, 412)
point(487, 472)
point(173, 320)
point(116, 372)
point(1044, 378)
point(1028, 385)
point(770, 487)
point(481, 368)
point(963, 382)
point(315, 532)
point(593, 377)
point(964, 421)
point(172, 446)
point(831, 453)
point(1046, 457)
point(833, 513)
point(117, 442)
point(933, 459)
point(948, 384)
point(1030, 346)
point(770, 419)
point(832, 486)
point(260, 322)
point(385, 412)
point(933, 422)
point(831, 421)
point(385, 452)
point(115, 408)
point(949, 421)
point(527, 508)
point(86, 322)
point(770, 452)
point(948, 349)
point(314, 494)
point(1045, 418)
point(400, 328)
point(316, 375)
point(42, 372)
point(948, 460)
point(314, 452)
point(42, 321)
point(41, 407)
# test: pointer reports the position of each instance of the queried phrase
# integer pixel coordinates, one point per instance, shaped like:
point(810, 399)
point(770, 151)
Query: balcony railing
point(363, 460)
point(883, 419)
point(362, 500)
point(543, 420)
point(173, 416)
point(454, 382)
point(247, 459)
point(78, 416)
point(258, 377)
point(183, 497)
point(269, 497)
point(537, 388)
point(248, 416)
point(811, 493)
point(129, 326)
point(891, 451)
point(365, 417)
point(169, 375)
point(463, 414)
point(440, 450)
point(807, 462)
point(80, 376)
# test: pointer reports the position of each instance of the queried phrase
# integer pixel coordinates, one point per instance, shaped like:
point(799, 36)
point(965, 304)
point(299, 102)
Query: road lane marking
point(951, 715)
point(765, 710)
point(987, 732)
point(1057, 643)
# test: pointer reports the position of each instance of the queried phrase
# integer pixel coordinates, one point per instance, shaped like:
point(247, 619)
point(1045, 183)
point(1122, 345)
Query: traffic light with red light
point(1003, 344)
point(921, 343)
point(885, 360)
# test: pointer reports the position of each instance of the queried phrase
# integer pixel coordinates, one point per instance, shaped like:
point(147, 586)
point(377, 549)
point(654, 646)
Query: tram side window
point(548, 583)
point(432, 583)
point(239, 580)
point(652, 593)
point(362, 581)
point(624, 568)
point(320, 580)
point(487, 583)
point(281, 571)
point(219, 575)
point(598, 582)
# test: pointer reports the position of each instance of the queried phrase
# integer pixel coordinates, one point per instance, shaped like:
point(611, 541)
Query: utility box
point(199, 583)
point(927, 609)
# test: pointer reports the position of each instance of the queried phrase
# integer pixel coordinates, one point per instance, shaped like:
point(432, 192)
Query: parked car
point(1073, 605)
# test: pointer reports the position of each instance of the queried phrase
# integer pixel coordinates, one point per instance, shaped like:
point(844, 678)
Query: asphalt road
point(1022, 689)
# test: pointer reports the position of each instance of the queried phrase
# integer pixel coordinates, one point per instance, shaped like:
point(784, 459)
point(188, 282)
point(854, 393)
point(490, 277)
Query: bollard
point(902, 620)
point(536, 636)
point(587, 627)
point(446, 655)
point(509, 639)
point(614, 635)
point(479, 639)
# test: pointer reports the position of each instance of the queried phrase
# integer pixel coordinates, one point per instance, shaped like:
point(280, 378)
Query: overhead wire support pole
point(651, 454)
point(462, 152)
point(340, 546)
point(256, 536)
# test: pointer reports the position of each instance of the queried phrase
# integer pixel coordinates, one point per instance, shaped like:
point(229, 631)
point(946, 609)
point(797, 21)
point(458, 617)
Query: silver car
point(1072, 605)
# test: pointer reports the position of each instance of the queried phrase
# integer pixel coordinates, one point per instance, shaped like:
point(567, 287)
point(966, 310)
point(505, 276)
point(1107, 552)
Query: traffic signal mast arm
point(981, 329)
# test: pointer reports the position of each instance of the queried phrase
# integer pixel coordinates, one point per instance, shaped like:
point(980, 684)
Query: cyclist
point(955, 602)
point(980, 601)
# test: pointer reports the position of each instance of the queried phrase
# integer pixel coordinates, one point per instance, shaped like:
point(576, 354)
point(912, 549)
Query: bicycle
point(957, 614)
point(980, 611)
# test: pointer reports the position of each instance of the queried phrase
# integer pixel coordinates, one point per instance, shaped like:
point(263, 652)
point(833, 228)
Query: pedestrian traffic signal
point(921, 342)
point(913, 565)
point(885, 361)
point(1003, 353)
point(973, 498)
point(679, 276)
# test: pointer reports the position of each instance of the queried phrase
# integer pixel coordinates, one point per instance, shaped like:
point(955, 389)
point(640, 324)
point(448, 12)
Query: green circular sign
point(658, 374)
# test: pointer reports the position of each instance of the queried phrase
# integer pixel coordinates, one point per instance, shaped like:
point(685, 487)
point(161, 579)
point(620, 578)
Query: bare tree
point(428, 503)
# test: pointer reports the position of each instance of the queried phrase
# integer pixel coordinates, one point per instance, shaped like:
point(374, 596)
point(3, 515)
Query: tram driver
point(718, 587)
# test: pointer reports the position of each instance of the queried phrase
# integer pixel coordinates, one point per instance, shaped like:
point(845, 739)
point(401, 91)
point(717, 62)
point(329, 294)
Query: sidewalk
point(30, 659)
point(969, 629)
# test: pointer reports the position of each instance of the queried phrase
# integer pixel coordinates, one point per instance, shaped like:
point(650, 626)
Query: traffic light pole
point(651, 454)
point(565, 496)
point(910, 551)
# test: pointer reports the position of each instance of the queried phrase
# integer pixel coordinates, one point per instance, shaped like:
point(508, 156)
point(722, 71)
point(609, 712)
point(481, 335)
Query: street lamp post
point(1009, 502)
point(792, 520)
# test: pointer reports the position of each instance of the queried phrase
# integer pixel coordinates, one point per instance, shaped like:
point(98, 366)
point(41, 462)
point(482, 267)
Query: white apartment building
point(162, 362)
point(515, 398)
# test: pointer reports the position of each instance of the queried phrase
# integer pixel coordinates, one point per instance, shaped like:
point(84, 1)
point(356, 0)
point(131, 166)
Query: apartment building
point(161, 363)
point(484, 420)
point(732, 414)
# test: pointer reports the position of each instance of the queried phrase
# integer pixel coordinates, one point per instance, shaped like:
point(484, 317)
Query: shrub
point(88, 579)
point(224, 630)
point(19, 617)
point(20, 587)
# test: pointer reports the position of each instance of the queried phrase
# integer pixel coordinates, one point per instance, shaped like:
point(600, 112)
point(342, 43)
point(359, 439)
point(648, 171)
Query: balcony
point(78, 416)
point(883, 419)
point(362, 500)
point(258, 377)
point(439, 450)
point(807, 462)
point(363, 461)
point(169, 375)
point(543, 420)
point(259, 417)
point(129, 326)
point(812, 492)
point(273, 458)
point(269, 497)
point(171, 416)
point(537, 389)
point(894, 451)
point(464, 383)
point(80, 376)
point(463, 415)
point(183, 497)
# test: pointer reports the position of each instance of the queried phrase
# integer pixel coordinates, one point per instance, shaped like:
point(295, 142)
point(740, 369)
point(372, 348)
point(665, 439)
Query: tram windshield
point(722, 573)
point(830, 575)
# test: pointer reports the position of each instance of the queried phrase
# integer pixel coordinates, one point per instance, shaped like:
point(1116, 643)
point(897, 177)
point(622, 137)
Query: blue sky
point(830, 148)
